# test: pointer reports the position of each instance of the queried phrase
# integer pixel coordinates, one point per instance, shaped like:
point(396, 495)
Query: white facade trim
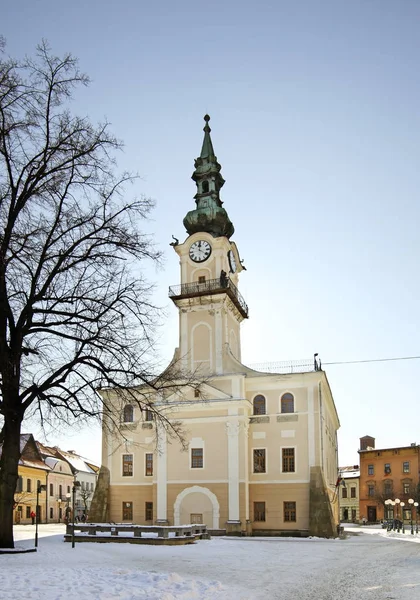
point(232, 431)
point(311, 427)
point(161, 476)
point(197, 489)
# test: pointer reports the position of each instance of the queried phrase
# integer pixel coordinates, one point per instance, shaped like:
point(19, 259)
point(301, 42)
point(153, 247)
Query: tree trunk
point(9, 464)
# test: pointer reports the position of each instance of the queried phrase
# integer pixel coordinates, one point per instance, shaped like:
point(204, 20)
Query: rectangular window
point(288, 460)
point(127, 465)
point(201, 279)
point(127, 511)
point(388, 488)
point(28, 512)
point(83, 485)
point(371, 490)
point(149, 511)
point(19, 485)
point(387, 468)
point(406, 488)
point(148, 415)
point(353, 492)
point(51, 489)
point(28, 485)
point(60, 491)
point(289, 509)
point(51, 512)
point(91, 486)
point(196, 458)
point(259, 511)
point(371, 470)
point(149, 464)
point(344, 492)
point(68, 489)
point(259, 461)
point(406, 467)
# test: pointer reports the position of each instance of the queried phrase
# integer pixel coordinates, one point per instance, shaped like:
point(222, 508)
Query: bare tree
point(75, 310)
point(85, 496)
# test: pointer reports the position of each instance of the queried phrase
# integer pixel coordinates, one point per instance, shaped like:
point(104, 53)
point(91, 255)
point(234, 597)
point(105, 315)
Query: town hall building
point(261, 455)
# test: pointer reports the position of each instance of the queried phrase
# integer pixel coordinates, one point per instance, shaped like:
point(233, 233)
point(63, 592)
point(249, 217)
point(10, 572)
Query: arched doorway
point(194, 503)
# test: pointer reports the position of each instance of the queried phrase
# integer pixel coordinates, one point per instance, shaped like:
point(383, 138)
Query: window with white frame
point(259, 460)
point(259, 405)
point(287, 403)
point(288, 460)
point(127, 465)
point(197, 458)
point(148, 464)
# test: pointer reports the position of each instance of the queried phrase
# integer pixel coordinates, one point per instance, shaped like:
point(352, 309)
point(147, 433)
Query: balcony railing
point(288, 366)
point(212, 286)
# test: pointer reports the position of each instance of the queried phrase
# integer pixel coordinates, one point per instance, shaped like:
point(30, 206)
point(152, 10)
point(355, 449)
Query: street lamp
point(417, 525)
point(388, 503)
point(76, 484)
point(59, 509)
point(397, 502)
point(402, 504)
point(39, 489)
point(411, 502)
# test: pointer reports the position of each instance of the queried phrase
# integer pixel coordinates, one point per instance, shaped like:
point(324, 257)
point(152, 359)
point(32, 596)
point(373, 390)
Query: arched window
point(287, 403)
point(128, 414)
point(205, 186)
point(259, 405)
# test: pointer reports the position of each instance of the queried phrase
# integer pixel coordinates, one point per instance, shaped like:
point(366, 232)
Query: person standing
point(33, 517)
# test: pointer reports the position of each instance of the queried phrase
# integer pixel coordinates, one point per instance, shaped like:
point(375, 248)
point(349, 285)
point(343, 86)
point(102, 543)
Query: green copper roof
point(209, 215)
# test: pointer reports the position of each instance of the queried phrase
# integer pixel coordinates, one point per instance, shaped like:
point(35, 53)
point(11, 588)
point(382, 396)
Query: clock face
point(200, 251)
point(232, 261)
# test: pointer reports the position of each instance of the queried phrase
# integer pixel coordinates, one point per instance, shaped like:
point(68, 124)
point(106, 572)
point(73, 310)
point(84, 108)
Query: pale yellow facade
point(253, 438)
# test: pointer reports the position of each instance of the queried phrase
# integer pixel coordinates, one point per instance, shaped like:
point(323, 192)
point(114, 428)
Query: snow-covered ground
point(221, 568)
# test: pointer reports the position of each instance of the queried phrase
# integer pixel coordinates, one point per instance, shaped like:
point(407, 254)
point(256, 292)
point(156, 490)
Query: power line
point(352, 362)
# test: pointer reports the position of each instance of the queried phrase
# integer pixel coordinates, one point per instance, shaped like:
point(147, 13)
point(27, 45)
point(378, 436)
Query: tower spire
point(209, 215)
point(207, 148)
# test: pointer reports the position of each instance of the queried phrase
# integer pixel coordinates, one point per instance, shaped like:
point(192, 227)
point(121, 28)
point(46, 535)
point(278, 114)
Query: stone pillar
point(233, 524)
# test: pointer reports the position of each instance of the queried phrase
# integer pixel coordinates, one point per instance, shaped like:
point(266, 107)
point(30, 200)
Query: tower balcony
point(210, 287)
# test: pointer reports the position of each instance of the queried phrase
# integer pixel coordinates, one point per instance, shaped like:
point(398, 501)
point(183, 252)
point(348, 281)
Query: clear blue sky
point(315, 119)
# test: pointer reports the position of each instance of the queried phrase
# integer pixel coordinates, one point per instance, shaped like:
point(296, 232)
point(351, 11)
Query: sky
point(315, 119)
point(217, 569)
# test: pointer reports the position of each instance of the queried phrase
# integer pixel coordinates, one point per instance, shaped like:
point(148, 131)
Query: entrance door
point(371, 510)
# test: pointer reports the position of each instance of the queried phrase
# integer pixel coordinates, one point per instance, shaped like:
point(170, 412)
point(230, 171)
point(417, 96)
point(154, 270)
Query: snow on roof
point(77, 462)
point(349, 472)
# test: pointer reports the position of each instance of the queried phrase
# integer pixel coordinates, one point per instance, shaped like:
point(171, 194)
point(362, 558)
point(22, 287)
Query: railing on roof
point(211, 286)
point(288, 366)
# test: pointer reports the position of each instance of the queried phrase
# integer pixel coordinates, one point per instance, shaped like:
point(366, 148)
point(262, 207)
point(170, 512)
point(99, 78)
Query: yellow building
point(349, 494)
point(261, 446)
point(32, 474)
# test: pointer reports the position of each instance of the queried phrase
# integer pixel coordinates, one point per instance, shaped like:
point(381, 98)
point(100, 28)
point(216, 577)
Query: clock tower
point(210, 305)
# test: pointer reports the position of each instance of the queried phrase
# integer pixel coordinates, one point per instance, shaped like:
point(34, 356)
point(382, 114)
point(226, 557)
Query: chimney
point(367, 442)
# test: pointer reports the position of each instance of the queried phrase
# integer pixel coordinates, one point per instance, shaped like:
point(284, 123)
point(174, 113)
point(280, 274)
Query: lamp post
point(388, 503)
point(39, 489)
point(402, 504)
point(59, 509)
point(397, 501)
point(67, 515)
point(411, 502)
point(417, 525)
point(76, 484)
